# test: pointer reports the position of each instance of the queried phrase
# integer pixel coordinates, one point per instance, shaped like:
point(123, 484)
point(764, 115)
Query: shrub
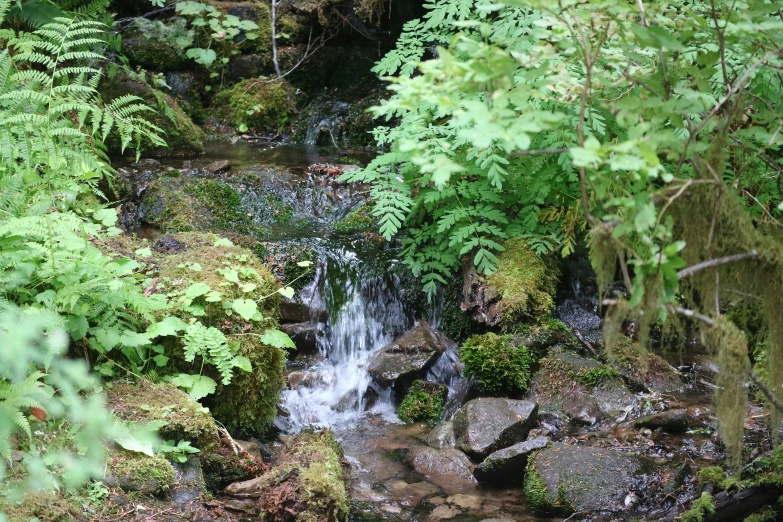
point(496, 363)
point(423, 403)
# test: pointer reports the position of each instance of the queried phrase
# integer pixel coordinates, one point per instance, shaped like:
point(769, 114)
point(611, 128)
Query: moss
point(537, 496)
point(183, 418)
point(763, 516)
point(138, 472)
point(182, 135)
point(158, 46)
point(700, 509)
point(258, 104)
point(457, 324)
point(525, 282)
point(249, 403)
point(595, 376)
point(284, 258)
point(768, 470)
point(177, 205)
point(541, 336)
point(423, 403)
point(42, 506)
point(358, 219)
point(497, 365)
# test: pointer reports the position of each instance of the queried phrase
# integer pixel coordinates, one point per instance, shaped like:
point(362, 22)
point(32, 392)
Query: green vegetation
point(423, 403)
point(700, 509)
point(595, 376)
point(538, 498)
point(258, 104)
point(498, 366)
point(358, 219)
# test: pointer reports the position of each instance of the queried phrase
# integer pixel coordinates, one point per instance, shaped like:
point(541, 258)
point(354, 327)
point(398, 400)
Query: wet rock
point(671, 421)
point(169, 245)
point(247, 66)
point(294, 312)
point(442, 436)
point(565, 479)
point(304, 335)
point(470, 502)
point(485, 425)
point(409, 356)
point(447, 462)
point(508, 465)
point(304, 379)
point(583, 389)
point(414, 493)
point(216, 167)
point(189, 481)
point(653, 374)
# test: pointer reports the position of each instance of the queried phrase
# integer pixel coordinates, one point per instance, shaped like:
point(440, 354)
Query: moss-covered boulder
point(565, 479)
point(156, 45)
point(43, 506)
point(583, 389)
point(182, 136)
point(225, 467)
point(249, 402)
point(260, 104)
point(645, 370)
point(137, 472)
point(309, 482)
point(499, 367)
point(423, 403)
point(182, 417)
point(521, 289)
point(176, 203)
point(357, 220)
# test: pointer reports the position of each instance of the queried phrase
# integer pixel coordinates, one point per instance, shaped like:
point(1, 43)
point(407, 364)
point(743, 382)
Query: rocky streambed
point(575, 434)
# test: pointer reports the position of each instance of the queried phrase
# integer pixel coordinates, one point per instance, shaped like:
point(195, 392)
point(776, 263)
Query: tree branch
point(710, 263)
point(766, 391)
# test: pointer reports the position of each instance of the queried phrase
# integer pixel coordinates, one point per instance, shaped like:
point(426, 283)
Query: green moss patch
point(258, 104)
point(498, 366)
point(138, 472)
point(358, 219)
point(525, 282)
point(183, 418)
point(220, 469)
point(423, 403)
point(42, 506)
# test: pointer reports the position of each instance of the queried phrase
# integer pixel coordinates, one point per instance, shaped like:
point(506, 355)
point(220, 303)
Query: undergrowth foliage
point(655, 125)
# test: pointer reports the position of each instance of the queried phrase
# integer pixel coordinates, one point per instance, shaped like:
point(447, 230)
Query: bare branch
point(710, 263)
point(766, 391)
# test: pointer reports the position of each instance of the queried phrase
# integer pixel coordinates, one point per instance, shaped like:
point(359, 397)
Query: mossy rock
point(309, 482)
point(158, 46)
point(259, 104)
point(136, 472)
point(183, 137)
point(359, 219)
point(499, 367)
point(455, 322)
point(583, 389)
point(645, 370)
point(43, 506)
point(564, 479)
point(174, 203)
point(183, 417)
point(258, 12)
point(423, 403)
point(221, 469)
point(539, 337)
point(249, 403)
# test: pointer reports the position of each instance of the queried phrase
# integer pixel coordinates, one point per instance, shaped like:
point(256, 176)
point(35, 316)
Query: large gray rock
point(565, 479)
point(583, 389)
point(442, 436)
point(441, 463)
point(409, 356)
point(485, 425)
point(670, 421)
point(508, 465)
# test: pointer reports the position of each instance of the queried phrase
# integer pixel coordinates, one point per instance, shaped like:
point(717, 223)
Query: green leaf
point(169, 326)
point(222, 242)
point(144, 252)
point(161, 360)
point(196, 290)
point(286, 291)
point(277, 339)
point(246, 308)
point(106, 217)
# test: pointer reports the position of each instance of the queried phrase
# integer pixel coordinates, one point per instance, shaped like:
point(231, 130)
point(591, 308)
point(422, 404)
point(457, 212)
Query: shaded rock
point(670, 421)
point(508, 465)
point(583, 389)
point(305, 379)
point(485, 425)
point(654, 374)
point(169, 245)
point(444, 462)
point(408, 356)
point(189, 481)
point(442, 436)
point(222, 468)
point(304, 335)
point(566, 479)
point(294, 312)
point(216, 167)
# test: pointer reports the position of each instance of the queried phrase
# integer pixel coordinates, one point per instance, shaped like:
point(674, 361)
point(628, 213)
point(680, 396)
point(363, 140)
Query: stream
point(360, 298)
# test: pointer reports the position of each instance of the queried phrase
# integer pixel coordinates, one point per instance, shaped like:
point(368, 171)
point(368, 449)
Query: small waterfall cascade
point(323, 124)
point(365, 312)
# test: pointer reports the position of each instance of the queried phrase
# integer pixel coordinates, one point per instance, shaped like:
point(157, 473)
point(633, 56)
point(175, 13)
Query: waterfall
point(365, 313)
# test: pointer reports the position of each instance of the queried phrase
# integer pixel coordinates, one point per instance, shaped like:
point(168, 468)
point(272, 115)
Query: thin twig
point(766, 391)
point(710, 263)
